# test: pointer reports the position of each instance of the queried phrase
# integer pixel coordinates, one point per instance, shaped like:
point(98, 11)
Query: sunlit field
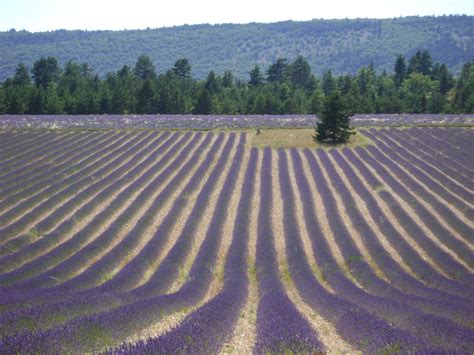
point(229, 241)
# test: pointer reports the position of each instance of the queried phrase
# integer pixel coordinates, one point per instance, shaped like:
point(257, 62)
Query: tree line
point(417, 85)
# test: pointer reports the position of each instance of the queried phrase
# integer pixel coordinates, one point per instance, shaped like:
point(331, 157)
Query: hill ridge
point(341, 45)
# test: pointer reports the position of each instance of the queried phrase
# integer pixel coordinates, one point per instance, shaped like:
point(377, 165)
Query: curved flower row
point(142, 231)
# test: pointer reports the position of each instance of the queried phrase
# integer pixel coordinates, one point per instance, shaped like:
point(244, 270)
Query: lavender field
point(219, 121)
point(162, 241)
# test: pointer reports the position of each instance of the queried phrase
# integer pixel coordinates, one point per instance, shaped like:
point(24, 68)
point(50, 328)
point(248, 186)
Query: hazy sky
point(45, 15)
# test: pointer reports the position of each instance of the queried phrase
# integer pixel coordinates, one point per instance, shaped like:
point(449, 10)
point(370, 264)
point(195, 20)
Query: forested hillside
point(342, 46)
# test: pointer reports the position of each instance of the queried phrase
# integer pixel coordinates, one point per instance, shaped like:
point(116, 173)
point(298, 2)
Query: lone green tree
point(335, 121)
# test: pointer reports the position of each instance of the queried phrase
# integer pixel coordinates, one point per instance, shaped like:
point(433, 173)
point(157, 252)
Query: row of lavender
point(146, 177)
point(217, 121)
point(421, 310)
point(282, 331)
point(413, 318)
point(157, 283)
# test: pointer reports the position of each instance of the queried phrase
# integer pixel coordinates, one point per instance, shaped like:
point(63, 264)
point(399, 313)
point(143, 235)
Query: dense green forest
point(342, 46)
point(416, 85)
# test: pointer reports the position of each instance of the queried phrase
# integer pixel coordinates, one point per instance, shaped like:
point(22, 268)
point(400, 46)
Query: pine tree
point(182, 68)
point(276, 72)
point(300, 72)
point(444, 79)
point(335, 121)
point(145, 98)
point(328, 83)
point(256, 77)
point(22, 77)
point(316, 101)
point(204, 104)
point(228, 79)
point(45, 71)
point(53, 104)
point(400, 71)
point(144, 68)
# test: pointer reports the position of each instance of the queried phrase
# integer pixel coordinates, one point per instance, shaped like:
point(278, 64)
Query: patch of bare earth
point(296, 138)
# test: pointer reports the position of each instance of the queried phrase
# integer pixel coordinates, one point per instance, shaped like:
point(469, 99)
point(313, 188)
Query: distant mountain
point(340, 45)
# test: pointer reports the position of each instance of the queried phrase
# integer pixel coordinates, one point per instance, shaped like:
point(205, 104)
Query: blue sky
point(46, 15)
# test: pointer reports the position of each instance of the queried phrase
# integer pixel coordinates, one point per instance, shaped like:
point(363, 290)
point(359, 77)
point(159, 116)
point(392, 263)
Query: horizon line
point(13, 29)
